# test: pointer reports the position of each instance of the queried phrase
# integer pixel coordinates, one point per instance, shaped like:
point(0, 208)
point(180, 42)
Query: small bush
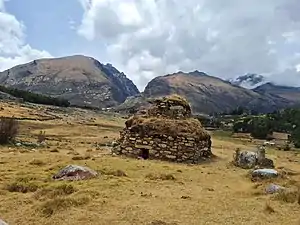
point(160, 222)
point(58, 191)
point(8, 130)
point(288, 196)
point(152, 176)
point(41, 137)
point(116, 173)
point(269, 209)
point(81, 157)
point(22, 187)
point(25, 179)
point(37, 162)
point(55, 205)
point(54, 150)
point(286, 147)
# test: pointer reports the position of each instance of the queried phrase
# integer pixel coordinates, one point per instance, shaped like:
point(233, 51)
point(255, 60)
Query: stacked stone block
point(164, 147)
point(180, 148)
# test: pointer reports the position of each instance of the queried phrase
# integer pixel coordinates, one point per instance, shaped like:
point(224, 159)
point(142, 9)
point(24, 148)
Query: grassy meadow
point(130, 191)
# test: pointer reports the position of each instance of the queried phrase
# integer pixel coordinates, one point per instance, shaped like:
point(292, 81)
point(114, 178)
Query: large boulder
point(74, 172)
point(251, 159)
point(245, 159)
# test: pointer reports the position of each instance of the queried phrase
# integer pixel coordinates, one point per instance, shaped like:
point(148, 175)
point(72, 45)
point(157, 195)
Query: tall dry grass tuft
point(8, 129)
point(41, 137)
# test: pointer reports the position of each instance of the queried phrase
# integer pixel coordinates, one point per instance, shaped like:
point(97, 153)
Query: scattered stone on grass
point(274, 188)
point(30, 144)
point(74, 172)
point(264, 173)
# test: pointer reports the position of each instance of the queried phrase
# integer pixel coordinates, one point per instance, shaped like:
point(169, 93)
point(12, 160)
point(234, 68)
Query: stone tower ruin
point(166, 131)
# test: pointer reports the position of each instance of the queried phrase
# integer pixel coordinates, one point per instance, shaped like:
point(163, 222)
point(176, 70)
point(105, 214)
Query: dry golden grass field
point(129, 191)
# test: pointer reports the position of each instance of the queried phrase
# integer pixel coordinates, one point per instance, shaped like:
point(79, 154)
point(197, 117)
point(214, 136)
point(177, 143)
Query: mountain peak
point(198, 73)
point(82, 80)
point(249, 80)
point(208, 94)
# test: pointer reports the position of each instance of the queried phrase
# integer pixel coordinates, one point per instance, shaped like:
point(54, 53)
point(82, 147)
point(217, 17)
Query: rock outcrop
point(82, 80)
point(74, 172)
point(167, 132)
point(250, 159)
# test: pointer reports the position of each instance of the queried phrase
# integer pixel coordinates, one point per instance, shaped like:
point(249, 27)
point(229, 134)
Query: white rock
point(74, 172)
point(265, 173)
point(274, 188)
point(2, 222)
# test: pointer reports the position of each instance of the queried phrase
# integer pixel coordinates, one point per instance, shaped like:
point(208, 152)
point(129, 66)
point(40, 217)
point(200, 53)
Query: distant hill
point(208, 94)
point(81, 80)
point(9, 93)
point(292, 94)
point(85, 82)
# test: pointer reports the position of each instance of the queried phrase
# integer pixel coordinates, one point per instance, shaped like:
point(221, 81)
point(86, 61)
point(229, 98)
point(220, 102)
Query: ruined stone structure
point(165, 131)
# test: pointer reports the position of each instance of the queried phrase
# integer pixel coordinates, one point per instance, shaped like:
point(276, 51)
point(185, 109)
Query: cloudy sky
point(148, 38)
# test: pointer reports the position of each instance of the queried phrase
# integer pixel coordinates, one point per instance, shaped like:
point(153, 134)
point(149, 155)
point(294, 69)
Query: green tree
point(261, 128)
point(295, 137)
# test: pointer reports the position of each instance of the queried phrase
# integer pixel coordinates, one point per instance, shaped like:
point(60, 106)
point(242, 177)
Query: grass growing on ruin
point(158, 126)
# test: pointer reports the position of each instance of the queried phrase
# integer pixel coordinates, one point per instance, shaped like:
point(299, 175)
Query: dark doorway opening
point(145, 153)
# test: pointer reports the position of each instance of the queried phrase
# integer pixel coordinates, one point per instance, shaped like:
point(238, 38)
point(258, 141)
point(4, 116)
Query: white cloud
point(148, 38)
point(13, 49)
point(2, 8)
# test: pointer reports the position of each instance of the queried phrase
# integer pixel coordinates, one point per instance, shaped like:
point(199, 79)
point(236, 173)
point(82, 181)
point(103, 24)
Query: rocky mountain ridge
point(208, 94)
point(82, 80)
point(292, 94)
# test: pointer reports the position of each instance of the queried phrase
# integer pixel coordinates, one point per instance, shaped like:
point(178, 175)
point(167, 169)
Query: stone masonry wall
point(163, 109)
point(136, 142)
point(164, 147)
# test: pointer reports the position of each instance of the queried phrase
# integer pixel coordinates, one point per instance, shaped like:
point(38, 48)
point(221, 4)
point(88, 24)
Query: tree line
point(263, 126)
point(34, 97)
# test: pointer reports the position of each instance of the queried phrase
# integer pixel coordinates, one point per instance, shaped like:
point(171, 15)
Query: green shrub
point(295, 137)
